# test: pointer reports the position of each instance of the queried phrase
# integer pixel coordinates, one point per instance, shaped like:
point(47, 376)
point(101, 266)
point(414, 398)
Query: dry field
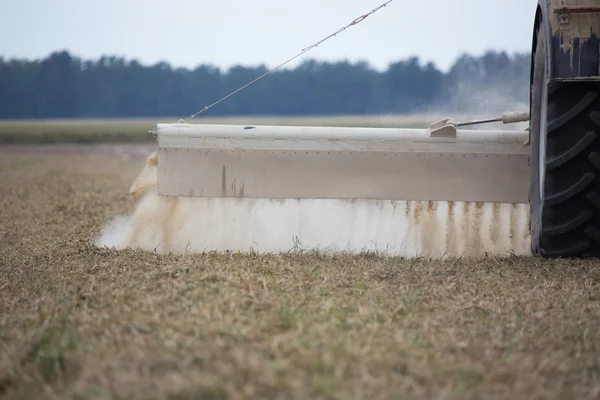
point(136, 130)
point(79, 322)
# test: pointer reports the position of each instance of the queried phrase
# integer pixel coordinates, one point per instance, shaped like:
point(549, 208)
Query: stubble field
point(81, 322)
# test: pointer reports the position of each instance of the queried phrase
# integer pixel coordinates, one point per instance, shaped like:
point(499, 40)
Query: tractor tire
point(564, 194)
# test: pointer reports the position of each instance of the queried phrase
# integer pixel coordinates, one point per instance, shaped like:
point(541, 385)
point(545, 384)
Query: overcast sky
point(250, 32)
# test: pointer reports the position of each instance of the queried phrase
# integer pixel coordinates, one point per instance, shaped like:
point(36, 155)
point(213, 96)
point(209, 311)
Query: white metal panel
point(335, 138)
point(317, 133)
point(342, 163)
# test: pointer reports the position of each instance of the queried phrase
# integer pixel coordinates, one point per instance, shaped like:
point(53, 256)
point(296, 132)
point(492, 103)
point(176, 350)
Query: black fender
point(573, 45)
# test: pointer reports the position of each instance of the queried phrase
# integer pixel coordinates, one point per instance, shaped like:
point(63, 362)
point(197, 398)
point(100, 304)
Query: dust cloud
point(396, 228)
point(467, 101)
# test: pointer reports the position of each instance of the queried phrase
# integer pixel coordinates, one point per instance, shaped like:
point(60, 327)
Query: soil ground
point(80, 322)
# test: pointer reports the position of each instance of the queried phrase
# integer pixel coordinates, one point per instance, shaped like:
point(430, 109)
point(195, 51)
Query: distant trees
point(63, 86)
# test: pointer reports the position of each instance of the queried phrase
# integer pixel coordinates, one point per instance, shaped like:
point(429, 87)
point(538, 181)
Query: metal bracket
point(443, 128)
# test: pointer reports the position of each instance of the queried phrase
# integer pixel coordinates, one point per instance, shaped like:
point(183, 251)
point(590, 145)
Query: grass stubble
point(81, 322)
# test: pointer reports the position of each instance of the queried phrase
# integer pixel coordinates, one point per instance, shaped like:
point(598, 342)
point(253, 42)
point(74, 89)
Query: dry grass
point(79, 322)
point(136, 130)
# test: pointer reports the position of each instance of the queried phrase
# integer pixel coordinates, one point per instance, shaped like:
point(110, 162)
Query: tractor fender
point(572, 37)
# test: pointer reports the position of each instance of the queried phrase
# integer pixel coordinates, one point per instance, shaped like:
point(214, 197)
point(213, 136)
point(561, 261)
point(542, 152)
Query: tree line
point(64, 86)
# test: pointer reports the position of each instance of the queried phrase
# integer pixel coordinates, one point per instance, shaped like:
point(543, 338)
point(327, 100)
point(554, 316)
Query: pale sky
point(250, 32)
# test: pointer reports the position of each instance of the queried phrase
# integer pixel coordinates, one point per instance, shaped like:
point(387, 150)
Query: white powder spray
point(115, 233)
point(408, 229)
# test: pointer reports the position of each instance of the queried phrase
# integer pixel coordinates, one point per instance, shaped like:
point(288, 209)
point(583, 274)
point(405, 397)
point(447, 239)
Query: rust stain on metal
point(224, 182)
point(417, 212)
point(431, 206)
point(576, 9)
point(476, 212)
point(431, 234)
point(234, 187)
point(407, 207)
point(464, 223)
point(514, 229)
point(495, 225)
point(451, 242)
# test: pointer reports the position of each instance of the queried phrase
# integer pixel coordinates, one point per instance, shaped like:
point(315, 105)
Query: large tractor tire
point(564, 163)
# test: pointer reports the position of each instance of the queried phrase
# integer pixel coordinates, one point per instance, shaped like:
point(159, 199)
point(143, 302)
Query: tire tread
point(572, 113)
point(571, 207)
